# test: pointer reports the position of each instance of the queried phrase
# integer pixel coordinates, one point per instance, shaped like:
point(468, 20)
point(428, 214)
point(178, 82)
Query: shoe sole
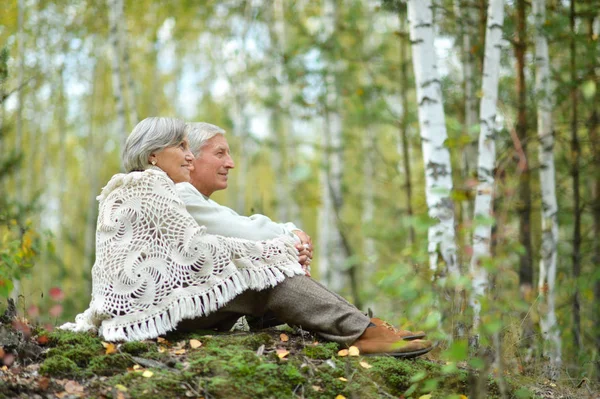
point(413, 337)
point(402, 355)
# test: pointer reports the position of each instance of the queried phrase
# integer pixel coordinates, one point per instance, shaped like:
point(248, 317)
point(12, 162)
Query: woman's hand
point(305, 250)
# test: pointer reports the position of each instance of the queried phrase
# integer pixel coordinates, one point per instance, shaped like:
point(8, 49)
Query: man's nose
point(229, 162)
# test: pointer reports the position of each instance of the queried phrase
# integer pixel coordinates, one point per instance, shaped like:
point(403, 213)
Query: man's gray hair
point(198, 133)
point(150, 135)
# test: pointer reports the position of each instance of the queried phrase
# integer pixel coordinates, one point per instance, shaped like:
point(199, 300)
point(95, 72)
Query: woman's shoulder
point(121, 181)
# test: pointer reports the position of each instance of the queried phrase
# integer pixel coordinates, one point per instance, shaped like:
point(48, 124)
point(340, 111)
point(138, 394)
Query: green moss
point(63, 338)
point(110, 364)
point(137, 348)
point(162, 384)
point(321, 351)
point(59, 366)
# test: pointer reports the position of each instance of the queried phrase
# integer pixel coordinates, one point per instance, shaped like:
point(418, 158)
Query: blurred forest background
point(319, 101)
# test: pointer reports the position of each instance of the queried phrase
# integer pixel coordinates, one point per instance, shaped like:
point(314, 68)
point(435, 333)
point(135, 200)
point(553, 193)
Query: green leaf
point(477, 363)
point(457, 352)
point(419, 376)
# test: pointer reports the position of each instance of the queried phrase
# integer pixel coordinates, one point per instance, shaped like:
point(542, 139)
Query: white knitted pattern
point(155, 266)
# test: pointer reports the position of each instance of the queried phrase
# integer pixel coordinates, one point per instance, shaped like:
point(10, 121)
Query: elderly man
point(298, 300)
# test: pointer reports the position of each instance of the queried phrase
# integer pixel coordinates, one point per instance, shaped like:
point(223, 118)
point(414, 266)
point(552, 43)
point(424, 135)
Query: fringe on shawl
point(196, 305)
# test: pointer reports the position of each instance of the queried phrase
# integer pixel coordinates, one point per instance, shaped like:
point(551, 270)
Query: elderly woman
point(155, 266)
point(157, 270)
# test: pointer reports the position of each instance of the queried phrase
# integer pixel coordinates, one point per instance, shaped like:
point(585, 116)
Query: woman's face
point(175, 161)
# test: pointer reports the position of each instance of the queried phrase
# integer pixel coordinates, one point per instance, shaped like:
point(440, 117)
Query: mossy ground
point(238, 365)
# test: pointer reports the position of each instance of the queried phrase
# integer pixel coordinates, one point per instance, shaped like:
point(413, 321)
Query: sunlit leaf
point(353, 351)
point(195, 344)
point(343, 353)
point(284, 338)
point(147, 374)
point(365, 365)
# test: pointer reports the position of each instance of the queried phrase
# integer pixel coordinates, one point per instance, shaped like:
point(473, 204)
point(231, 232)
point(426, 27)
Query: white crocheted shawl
point(156, 266)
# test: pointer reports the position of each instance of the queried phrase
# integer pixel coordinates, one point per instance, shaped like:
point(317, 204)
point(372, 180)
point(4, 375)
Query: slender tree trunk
point(594, 135)
point(524, 207)
point(404, 123)
point(438, 170)
point(484, 213)
point(548, 255)
point(115, 12)
point(131, 97)
point(575, 153)
point(283, 150)
point(19, 123)
point(468, 31)
point(92, 211)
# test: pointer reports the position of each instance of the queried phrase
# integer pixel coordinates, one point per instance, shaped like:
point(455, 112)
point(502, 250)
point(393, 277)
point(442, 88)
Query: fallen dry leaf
point(161, 340)
point(463, 397)
point(195, 344)
point(180, 351)
point(121, 395)
point(343, 353)
point(1, 352)
point(121, 387)
point(44, 383)
point(428, 396)
point(162, 349)
point(43, 340)
point(284, 338)
point(343, 379)
point(365, 365)
point(8, 359)
point(110, 348)
point(281, 353)
point(147, 374)
point(73, 388)
point(317, 388)
point(137, 367)
point(340, 397)
point(353, 351)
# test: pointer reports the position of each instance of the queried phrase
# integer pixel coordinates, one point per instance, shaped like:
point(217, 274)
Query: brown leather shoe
point(379, 340)
point(404, 334)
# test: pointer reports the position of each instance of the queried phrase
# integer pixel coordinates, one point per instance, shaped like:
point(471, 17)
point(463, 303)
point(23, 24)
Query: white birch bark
point(368, 213)
point(548, 250)
point(438, 172)
point(115, 13)
point(486, 159)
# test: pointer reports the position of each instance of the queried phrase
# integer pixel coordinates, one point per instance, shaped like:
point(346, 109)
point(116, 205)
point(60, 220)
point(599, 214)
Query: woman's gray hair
point(198, 133)
point(150, 135)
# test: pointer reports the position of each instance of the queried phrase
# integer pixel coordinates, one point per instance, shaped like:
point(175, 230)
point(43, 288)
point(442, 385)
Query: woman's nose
point(189, 156)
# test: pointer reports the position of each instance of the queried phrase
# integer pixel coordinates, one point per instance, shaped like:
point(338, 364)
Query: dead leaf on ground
point(343, 353)
point(195, 344)
point(281, 353)
point(162, 349)
point(340, 397)
point(428, 396)
point(317, 388)
point(353, 351)
point(180, 351)
point(1, 352)
point(147, 374)
point(284, 337)
point(110, 348)
point(43, 340)
point(121, 395)
point(8, 359)
point(365, 365)
point(44, 383)
point(73, 388)
point(121, 387)
point(161, 340)
point(343, 379)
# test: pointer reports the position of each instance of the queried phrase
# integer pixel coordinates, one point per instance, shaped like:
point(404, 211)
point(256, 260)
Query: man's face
point(211, 168)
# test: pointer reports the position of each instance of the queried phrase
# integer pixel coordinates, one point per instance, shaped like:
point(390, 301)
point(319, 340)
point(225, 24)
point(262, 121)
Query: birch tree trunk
point(548, 250)
point(115, 16)
point(438, 170)
point(575, 154)
point(486, 160)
